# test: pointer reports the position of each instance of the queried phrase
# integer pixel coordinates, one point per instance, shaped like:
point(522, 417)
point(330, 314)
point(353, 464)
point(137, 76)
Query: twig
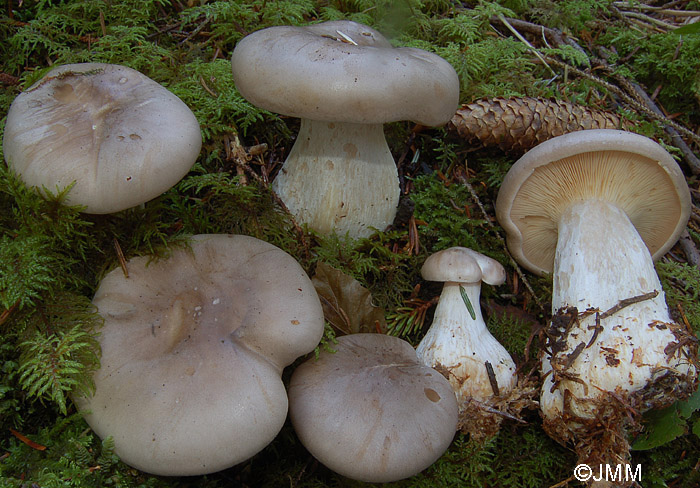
point(555, 36)
point(6, 313)
point(564, 483)
point(120, 257)
point(643, 103)
point(643, 25)
point(657, 10)
point(526, 42)
point(196, 31)
point(689, 249)
point(518, 270)
point(626, 302)
point(7, 79)
point(636, 96)
point(665, 27)
point(27, 441)
point(103, 25)
point(492, 378)
point(672, 129)
point(501, 413)
point(240, 158)
point(206, 88)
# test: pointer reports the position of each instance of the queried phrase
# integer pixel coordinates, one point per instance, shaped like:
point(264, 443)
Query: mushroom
point(344, 80)
point(118, 136)
point(595, 208)
point(458, 343)
point(193, 348)
point(370, 410)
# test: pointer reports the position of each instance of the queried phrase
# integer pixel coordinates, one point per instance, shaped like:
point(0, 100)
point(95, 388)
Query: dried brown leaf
point(347, 305)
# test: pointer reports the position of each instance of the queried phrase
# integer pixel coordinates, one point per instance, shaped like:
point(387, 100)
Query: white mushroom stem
point(460, 346)
point(340, 176)
point(601, 262)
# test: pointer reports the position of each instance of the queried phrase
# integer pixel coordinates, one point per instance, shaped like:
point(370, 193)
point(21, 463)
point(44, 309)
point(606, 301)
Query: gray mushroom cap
point(370, 410)
point(315, 72)
point(193, 348)
point(463, 265)
point(120, 136)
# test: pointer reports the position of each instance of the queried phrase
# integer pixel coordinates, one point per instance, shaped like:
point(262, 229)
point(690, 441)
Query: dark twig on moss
point(672, 130)
point(639, 100)
point(643, 102)
point(631, 93)
point(689, 248)
point(462, 179)
point(7, 312)
point(550, 35)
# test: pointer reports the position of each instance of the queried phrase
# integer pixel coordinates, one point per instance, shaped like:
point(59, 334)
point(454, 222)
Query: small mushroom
point(193, 348)
point(458, 342)
point(344, 80)
point(595, 208)
point(370, 410)
point(122, 138)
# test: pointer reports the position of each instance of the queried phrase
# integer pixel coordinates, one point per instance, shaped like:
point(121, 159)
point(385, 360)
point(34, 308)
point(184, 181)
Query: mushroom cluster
point(194, 345)
point(344, 80)
point(595, 208)
point(118, 137)
point(193, 348)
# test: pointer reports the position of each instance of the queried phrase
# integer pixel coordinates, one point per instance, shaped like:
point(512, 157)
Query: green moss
point(681, 283)
point(448, 216)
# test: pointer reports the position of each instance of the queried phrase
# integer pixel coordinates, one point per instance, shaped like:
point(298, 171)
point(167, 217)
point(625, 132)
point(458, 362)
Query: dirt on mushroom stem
point(482, 421)
point(603, 438)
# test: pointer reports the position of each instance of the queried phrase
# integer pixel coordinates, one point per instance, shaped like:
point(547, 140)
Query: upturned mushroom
point(117, 136)
point(344, 80)
point(370, 410)
point(458, 343)
point(595, 208)
point(193, 348)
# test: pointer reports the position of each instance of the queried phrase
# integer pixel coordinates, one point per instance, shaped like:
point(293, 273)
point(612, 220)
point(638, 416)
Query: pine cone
point(518, 124)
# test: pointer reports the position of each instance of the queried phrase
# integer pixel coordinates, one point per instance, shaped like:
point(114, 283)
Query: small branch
point(555, 36)
point(639, 100)
point(566, 482)
point(492, 378)
point(196, 31)
point(120, 257)
point(236, 152)
point(660, 24)
point(462, 179)
point(526, 42)
point(206, 88)
point(637, 97)
point(691, 252)
point(626, 302)
point(6, 313)
point(27, 441)
point(657, 10)
point(502, 414)
point(672, 129)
